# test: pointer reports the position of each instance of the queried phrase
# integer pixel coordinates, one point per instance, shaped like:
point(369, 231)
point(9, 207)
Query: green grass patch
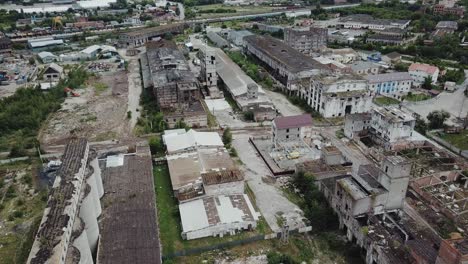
point(458, 140)
point(383, 100)
point(417, 97)
point(100, 87)
point(340, 134)
point(21, 213)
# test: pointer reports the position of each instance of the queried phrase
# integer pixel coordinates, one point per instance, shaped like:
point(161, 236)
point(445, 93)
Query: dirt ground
point(99, 113)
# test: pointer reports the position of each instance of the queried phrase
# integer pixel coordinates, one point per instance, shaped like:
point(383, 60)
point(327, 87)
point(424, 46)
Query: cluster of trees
point(151, 119)
point(218, 10)
point(457, 76)
point(22, 114)
point(315, 205)
point(248, 66)
point(436, 121)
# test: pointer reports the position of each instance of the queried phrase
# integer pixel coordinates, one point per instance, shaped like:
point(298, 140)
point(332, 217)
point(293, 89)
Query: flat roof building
point(284, 62)
point(364, 21)
point(191, 140)
point(139, 37)
point(129, 224)
point(248, 95)
point(217, 216)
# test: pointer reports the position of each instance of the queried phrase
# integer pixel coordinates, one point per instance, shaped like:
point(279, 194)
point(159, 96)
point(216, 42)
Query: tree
point(156, 145)
point(427, 84)
point(168, 36)
point(421, 126)
point(249, 116)
point(278, 258)
point(227, 137)
point(437, 119)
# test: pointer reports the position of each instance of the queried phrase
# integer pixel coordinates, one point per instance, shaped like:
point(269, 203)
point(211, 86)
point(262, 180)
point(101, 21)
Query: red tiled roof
point(293, 121)
point(423, 67)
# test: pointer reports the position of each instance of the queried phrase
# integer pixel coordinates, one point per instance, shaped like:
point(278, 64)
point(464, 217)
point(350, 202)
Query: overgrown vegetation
point(22, 114)
point(416, 97)
point(151, 119)
point(21, 211)
point(459, 140)
point(437, 119)
point(314, 204)
point(383, 100)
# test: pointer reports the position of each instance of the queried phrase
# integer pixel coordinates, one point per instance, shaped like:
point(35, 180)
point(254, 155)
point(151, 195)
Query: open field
point(458, 140)
point(97, 114)
point(21, 207)
point(383, 100)
point(417, 97)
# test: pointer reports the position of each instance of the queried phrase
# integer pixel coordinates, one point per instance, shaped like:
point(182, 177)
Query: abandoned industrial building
point(77, 228)
point(69, 229)
point(139, 37)
point(248, 95)
point(337, 95)
point(306, 40)
point(385, 126)
point(208, 76)
point(285, 63)
point(208, 185)
point(217, 216)
point(174, 85)
point(129, 223)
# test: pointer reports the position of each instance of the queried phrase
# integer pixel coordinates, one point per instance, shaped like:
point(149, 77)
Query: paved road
point(455, 103)
point(269, 199)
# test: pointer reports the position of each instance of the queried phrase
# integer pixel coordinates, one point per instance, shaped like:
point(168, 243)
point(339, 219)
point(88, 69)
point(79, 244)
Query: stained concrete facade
point(338, 95)
point(390, 125)
point(306, 40)
point(286, 64)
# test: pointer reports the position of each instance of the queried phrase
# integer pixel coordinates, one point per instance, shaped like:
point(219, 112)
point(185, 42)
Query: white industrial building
point(46, 57)
point(44, 43)
point(355, 124)
point(337, 95)
point(217, 216)
point(372, 189)
point(395, 84)
point(52, 73)
point(364, 21)
point(179, 140)
point(390, 124)
point(289, 128)
point(419, 72)
point(237, 37)
point(386, 126)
